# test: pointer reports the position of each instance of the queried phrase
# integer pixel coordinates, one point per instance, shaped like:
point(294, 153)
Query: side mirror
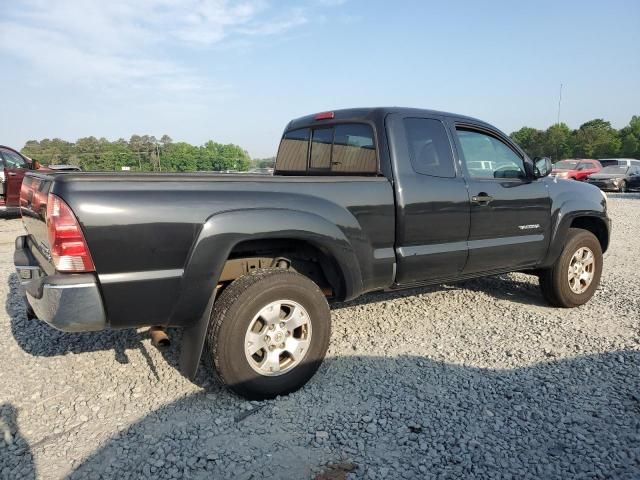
point(36, 165)
point(542, 167)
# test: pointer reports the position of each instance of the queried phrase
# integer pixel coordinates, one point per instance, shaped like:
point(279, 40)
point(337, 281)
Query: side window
point(429, 147)
point(354, 150)
point(321, 148)
point(292, 154)
point(585, 166)
point(13, 160)
point(487, 157)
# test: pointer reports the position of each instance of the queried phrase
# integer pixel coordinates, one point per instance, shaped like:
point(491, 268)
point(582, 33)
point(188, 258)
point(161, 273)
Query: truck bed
point(143, 230)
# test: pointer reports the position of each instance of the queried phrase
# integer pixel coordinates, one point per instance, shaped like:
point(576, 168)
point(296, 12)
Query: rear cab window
point(292, 154)
point(341, 149)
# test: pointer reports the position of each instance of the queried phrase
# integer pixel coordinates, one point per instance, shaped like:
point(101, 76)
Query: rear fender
point(216, 240)
point(223, 231)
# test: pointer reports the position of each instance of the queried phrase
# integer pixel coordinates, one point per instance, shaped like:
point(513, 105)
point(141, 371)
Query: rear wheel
point(575, 276)
point(269, 333)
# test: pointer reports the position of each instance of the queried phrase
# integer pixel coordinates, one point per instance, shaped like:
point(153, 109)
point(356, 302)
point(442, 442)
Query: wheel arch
point(225, 234)
point(595, 225)
point(226, 231)
point(593, 221)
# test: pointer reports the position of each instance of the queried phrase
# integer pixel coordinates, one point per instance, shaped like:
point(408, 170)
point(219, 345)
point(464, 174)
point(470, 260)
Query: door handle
point(481, 199)
point(12, 174)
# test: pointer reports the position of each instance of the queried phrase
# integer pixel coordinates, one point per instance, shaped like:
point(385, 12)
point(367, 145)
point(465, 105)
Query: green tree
point(630, 146)
point(180, 157)
point(557, 142)
point(596, 139)
point(531, 140)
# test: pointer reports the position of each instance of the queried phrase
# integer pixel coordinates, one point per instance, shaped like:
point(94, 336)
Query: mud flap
point(193, 339)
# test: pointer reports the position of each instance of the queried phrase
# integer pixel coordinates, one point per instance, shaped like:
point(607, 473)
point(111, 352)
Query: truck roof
point(371, 114)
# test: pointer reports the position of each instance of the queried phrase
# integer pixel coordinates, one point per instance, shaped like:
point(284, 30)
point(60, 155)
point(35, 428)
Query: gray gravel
point(475, 380)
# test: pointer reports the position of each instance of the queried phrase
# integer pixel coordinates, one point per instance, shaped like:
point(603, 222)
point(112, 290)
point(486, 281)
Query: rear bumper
point(68, 302)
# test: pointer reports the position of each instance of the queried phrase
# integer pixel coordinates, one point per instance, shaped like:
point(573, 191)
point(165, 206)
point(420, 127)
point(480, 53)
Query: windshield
point(566, 165)
point(615, 169)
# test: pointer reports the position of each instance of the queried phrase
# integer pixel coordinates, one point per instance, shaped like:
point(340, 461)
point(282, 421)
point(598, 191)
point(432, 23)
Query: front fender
point(572, 200)
point(222, 231)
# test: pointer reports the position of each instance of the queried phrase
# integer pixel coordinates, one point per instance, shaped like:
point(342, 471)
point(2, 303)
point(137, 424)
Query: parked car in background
point(577, 169)
point(63, 168)
point(617, 178)
point(607, 162)
point(13, 166)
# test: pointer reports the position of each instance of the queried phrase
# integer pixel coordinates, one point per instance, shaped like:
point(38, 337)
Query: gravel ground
point(475, 380)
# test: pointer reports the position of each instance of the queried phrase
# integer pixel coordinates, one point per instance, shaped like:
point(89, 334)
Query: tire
point(623, 187)
point(241, 306)
point(555, 282)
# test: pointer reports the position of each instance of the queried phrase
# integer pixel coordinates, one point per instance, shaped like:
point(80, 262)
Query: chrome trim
point(62, 287)
point(140, 276)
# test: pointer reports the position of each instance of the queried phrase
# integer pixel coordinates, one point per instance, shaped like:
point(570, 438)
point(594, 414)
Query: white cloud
point(117, 44)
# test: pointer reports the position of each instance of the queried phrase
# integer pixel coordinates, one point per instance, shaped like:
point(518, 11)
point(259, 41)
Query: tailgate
point(33, 207)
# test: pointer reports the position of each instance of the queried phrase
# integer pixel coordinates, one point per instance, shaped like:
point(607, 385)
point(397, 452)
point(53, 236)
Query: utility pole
point(559, 104)
point(558, 122)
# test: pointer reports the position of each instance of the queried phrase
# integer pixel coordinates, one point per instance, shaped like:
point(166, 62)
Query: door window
point(13, 160)
point(429, 147)
point(585, 166)
point(487, 157)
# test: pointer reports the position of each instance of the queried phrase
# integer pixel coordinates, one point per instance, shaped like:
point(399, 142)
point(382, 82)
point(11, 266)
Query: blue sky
point(236, 72)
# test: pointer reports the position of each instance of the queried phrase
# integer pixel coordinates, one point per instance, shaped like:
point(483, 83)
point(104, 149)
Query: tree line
point(593, 139)
point(142, 153)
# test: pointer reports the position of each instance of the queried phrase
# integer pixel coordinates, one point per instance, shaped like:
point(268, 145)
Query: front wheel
point(575, 276)
point(269, 333)
point(623, 187)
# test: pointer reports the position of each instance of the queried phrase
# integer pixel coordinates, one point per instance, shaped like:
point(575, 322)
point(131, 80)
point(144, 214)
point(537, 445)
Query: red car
point(576, 169)
point(13, 167)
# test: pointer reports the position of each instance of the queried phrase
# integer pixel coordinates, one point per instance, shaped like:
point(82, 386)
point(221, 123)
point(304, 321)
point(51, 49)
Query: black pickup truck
point(361, 200)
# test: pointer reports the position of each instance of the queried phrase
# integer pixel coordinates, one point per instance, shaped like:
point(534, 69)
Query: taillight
point(67, 245)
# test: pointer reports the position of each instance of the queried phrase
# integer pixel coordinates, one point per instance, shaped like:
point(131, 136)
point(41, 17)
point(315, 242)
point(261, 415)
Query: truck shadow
point(501, 287)
point(39, 339)
point(574, 418)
